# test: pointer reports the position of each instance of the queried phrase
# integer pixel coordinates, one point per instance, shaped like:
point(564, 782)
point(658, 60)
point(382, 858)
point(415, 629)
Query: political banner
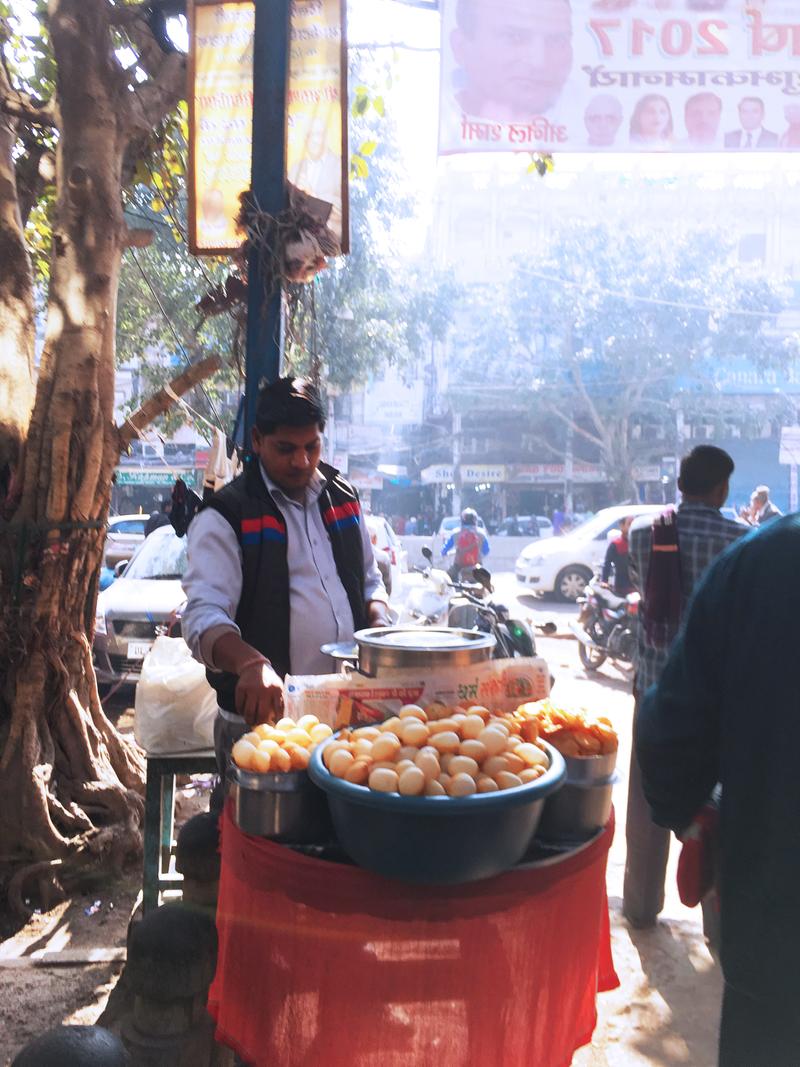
point(221, 115)
point(619, 76)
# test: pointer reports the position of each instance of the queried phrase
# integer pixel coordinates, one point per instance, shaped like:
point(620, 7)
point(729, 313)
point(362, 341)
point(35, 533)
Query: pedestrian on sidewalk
point(667, 559)
point(725, 710)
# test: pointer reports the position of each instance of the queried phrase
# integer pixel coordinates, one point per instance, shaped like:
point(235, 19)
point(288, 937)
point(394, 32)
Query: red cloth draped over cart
point(326, 965)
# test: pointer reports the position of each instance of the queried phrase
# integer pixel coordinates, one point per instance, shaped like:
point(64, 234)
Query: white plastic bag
point(175, 705)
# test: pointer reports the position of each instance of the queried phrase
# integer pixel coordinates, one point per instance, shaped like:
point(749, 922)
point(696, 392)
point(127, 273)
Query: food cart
point(421, 951)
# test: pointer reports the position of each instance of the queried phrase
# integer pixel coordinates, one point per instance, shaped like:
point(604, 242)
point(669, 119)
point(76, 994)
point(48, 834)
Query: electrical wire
point(569, 283)
point(174, 333)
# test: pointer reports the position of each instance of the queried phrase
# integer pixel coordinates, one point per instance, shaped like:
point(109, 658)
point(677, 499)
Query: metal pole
point(270, 75)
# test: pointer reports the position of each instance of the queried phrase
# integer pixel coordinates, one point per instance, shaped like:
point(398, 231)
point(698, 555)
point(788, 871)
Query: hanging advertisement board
point(221, 113)
point(619, 76)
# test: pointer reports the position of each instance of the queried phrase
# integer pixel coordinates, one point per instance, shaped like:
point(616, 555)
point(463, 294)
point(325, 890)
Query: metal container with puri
point(284, 806)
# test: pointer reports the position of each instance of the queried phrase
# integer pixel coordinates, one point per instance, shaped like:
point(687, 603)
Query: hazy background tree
point(611, 332)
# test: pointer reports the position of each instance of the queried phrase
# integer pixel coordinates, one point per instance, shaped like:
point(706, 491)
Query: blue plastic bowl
point(436, 840)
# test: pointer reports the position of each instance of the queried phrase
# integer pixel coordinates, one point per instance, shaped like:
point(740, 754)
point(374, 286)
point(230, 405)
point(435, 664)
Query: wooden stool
point(159, 817)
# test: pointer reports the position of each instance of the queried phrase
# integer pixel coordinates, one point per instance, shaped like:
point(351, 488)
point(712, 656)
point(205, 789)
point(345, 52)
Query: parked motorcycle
point(439, 601)
point(606, 627)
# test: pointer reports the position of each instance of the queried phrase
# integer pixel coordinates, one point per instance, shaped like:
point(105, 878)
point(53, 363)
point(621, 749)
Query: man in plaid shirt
point(702, 534)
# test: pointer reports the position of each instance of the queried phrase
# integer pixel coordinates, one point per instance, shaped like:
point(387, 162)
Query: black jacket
point(263, 611)
point(727, 709)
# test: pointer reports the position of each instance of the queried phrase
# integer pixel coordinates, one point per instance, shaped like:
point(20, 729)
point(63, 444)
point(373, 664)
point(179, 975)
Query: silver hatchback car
point(141, 604)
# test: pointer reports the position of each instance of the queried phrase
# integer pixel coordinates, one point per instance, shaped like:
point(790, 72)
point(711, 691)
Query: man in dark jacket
point(726, 710)
point(158, 518)
point(280, 563)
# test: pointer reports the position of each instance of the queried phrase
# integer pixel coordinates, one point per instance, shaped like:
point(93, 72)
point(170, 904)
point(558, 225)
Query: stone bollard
point(74, 1046)
point(172, 955)
point(197, 859)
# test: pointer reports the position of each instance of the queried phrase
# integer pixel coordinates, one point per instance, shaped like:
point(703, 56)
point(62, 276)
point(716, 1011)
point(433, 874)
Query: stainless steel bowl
point(393, 647)
point(284, 807)
point(576, 812)
point(587, 769)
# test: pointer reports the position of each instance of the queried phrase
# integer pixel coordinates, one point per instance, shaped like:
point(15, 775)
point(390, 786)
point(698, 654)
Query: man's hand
point(378, 613)
point(259, 694)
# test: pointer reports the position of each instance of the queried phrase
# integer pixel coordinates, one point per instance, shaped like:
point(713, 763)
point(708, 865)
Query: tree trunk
point(70, 785)
point(17, 325)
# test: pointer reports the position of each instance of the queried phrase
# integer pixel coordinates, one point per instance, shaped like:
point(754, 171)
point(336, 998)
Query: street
point(666, 1010)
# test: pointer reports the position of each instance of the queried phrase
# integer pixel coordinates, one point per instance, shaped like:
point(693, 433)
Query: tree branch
point(162, 401)
point(594, 414)
point(23, 106)
point(544, 443)
point(574, 426)
point(153, 100)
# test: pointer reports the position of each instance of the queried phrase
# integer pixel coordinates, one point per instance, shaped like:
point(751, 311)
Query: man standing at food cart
point(280, 563)
point(725, 710)
point(667, 559)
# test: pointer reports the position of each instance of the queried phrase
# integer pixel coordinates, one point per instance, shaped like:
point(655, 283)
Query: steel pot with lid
point(390, 648)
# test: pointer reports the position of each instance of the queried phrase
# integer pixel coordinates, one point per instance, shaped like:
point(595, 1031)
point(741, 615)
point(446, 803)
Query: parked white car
point(142, 603)
point(125, 534)
point(391, 557)
point(563, 565)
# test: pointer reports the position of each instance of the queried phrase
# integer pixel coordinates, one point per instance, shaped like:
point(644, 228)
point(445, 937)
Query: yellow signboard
point(221, 121)
point(221, 110)
point(317, 119)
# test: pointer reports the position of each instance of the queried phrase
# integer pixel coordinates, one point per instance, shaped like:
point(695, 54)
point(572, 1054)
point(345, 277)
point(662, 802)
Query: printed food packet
point(353, 699)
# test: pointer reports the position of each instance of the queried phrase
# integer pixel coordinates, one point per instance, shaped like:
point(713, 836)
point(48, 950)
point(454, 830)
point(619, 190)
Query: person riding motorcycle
point(616, 563)
point(468, 542)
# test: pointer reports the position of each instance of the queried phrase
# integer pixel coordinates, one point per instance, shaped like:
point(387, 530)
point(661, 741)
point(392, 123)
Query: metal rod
point(270, 75)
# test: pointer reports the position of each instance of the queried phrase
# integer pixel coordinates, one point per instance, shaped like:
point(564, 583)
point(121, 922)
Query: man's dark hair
point(289, 402)
point(703, 469)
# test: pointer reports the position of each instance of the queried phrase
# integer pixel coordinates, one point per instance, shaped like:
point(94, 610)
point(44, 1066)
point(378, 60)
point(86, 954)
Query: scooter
point(606, 627)
point(467, 605)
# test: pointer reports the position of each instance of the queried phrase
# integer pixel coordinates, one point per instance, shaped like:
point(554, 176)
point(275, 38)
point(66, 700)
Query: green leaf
point(157, 204)
point(379, 105)
point(360, 105)
point(362, 90)
point(359, 168)
point(366, 148)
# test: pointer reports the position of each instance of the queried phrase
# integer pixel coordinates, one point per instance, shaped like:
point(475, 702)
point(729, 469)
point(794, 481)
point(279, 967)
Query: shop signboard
point(602, 76)
point(646, 472)
point(365, 480)
point(439, 474)
point(555, 473)
point(393, 402)
point(221, 115)
point(151, 477)
point(790, 446)
point(476, 474)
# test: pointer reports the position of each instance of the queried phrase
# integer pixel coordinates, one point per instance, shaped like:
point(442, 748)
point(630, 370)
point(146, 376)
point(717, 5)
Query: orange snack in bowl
point(573, 733)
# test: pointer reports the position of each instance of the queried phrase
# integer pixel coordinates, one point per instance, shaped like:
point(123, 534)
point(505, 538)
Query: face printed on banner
point(652, 119)
point(212, 208)
point(751, 113)
point(603, 118)
point(316, 143)
point(702, 116)
point(515, 56)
